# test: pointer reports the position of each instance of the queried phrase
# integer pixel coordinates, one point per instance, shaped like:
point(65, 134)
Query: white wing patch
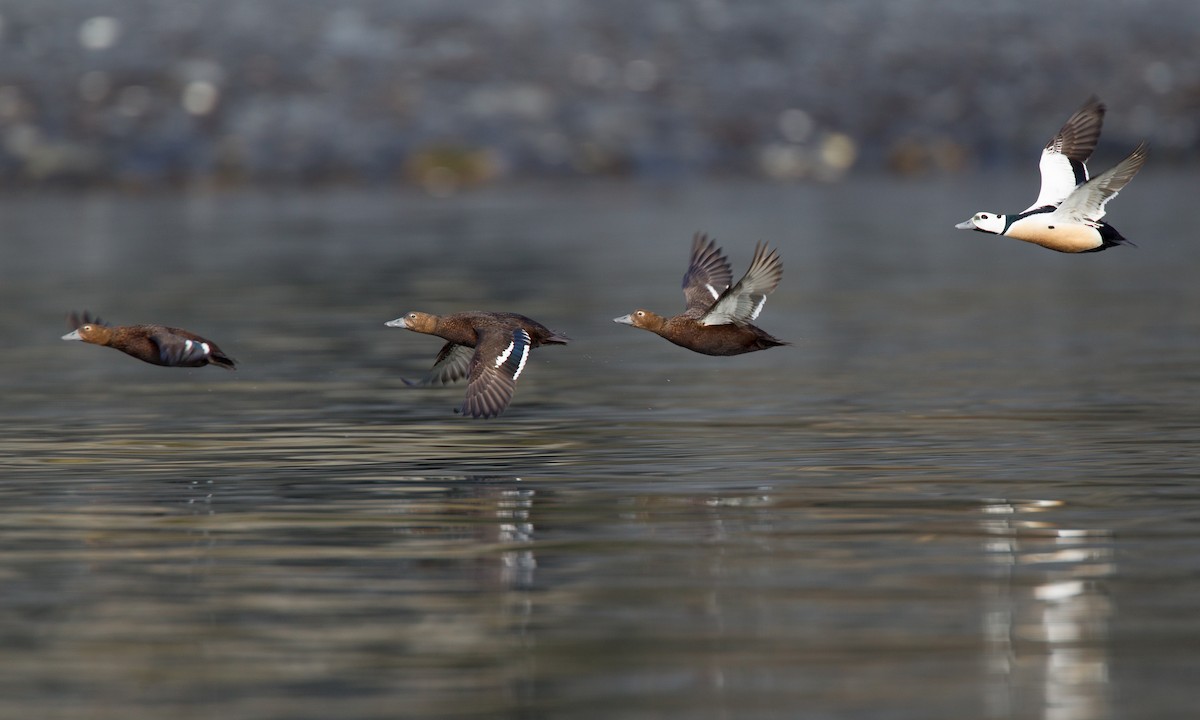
point(521, 365)
point(189, 344)
point(503, 356)
point(713, 290)
point(758, 307)
point(1058, 179)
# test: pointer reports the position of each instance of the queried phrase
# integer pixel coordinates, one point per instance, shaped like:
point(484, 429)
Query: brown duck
point(717, 320)
point(488, 348)
point(155, 344)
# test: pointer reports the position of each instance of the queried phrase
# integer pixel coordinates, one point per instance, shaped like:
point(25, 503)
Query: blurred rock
point(453, 93)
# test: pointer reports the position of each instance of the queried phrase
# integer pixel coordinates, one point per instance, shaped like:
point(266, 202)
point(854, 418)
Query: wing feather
point(1087, 202)
point(707, 276)
point(497, 363)
point(1063, 163)
point(743, 302)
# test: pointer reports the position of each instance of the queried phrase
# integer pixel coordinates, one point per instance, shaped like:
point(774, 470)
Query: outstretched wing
point(450, 366)
point(1064, 159)
point(1088, 200)
point(498, 361)
point(744, 301)
point(707, 276)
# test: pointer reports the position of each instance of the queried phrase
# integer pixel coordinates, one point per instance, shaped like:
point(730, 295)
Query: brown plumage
point(717, 318)
point(155, 344)
point(488, 348)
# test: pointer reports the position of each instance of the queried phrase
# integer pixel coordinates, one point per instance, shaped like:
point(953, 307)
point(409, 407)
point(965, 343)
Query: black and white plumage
point(1067, 214)
point(1064, 159)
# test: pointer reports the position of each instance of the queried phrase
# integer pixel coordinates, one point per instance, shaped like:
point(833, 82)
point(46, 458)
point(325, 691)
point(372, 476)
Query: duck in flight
point(489, 349)
point(718, 318)
point(1067, 215)
point(155, 344)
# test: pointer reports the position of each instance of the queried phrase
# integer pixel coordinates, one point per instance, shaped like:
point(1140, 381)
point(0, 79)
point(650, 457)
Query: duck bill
point(73, 335)
point(397, 323)
point(965, 225)
point(624, 319)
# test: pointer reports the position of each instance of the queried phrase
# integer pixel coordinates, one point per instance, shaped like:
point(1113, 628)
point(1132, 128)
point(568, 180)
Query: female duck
point(717, 320)
point(488, 348)
point(155, 344)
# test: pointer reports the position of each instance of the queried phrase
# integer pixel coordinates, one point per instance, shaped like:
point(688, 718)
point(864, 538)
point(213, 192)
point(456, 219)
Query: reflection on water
point(1052, 632)
point(646, 532)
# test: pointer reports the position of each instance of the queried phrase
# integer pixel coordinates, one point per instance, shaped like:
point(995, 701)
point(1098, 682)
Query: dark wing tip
point(766, 264)
point(1093, 104)
point(76, 320)
point(1127, 168)
point(708, 274)
point(703, 255)
point(1079, 134)
point(484, 402)
point(1136, 159)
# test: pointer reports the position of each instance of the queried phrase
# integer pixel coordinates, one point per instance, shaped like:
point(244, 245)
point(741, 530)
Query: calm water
point(969, 490)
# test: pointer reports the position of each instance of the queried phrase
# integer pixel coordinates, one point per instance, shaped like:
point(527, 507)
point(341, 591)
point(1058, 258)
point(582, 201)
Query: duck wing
point(743, 302)
point(1088, 200)
point(450, 366)
point(1064, 159)
point(707, 276)
point(495, 366)
point(180, 348)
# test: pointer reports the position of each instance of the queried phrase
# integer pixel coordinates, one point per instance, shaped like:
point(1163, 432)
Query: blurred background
point(447, 94)
point(965, 491)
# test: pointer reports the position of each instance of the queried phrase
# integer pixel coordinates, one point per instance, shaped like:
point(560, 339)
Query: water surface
point(967, 490)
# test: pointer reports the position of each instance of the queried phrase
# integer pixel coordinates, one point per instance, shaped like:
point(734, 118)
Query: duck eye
point(640, 313)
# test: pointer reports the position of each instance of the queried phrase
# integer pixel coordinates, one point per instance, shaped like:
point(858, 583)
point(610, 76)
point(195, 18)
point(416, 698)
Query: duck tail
point(221, 359)
point(1111, 237)
point(766, 340)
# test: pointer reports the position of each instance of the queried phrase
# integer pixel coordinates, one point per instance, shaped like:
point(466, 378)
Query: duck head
point(643, 319)
point(415, 321)
point(985, 222)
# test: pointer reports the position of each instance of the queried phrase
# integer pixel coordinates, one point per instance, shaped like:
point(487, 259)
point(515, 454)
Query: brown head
point(88, 329)
point(415, 321)
point(643, 319)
